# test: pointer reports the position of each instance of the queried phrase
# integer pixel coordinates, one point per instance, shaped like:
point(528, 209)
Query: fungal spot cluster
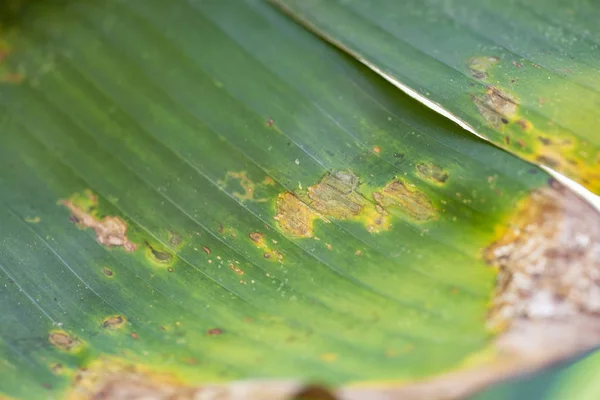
point(560, 150)
point(259, 240)
point(110, 231)
point(336, 197)
point(548, 259)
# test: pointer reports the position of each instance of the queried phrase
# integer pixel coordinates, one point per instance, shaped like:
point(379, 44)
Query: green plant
point(199, 195)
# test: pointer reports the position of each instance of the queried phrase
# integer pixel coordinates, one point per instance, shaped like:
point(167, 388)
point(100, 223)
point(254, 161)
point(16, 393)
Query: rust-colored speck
point(206, 249)
point(110, 231)
point(214, 332)
point(236, 269)
point(135, 336)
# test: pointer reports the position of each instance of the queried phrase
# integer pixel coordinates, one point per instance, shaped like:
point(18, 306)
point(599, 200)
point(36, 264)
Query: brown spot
point(495, 105)
point(257, 238)
point(108, 272)
point(62, 340)
point(236, 269)
point(110, 231)
point(480, 65)
point(114, 322)
point(376, 150)
point(507, 139)
point(135, 336)
point(516, 64)
point(329, 247)
point(293, 216)
point(432, 172)
point(410, 201)
point(545, 141)
point(206, 249)
point(158, 256)
point(267, 255)
point(358, 252)
point(214, 332)
point(335, 195)
point(269, 122)
point(525, 125)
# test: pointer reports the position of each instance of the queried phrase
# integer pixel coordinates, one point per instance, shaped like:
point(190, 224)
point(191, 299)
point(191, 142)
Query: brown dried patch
point(496, 105)
point(110, 231)
point(432, 172)
point(114, 322)
point(335, 195)
point(117, 380)
point(410, 201)
point(548, 259)
point(293, 216)
point(64, 341)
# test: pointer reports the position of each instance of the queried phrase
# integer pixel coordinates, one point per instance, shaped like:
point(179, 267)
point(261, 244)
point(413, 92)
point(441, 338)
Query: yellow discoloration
point(376, 219)
point(295, 217)
point(110, 231)
point(64, 341)
point(247, 185)
point(33, 220)
point(336, 197)
point(410, 201)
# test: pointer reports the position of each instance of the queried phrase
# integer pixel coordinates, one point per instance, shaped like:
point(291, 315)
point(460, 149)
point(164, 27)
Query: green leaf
point(200, 192)
point(524, 75)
